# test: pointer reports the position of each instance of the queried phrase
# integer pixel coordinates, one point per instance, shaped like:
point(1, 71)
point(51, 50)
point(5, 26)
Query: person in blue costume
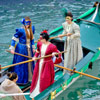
point(25, 38)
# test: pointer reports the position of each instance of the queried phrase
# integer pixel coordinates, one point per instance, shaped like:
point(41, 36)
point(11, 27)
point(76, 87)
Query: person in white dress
point(72, 43)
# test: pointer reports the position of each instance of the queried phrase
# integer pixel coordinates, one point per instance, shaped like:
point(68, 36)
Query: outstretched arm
point(15, 38)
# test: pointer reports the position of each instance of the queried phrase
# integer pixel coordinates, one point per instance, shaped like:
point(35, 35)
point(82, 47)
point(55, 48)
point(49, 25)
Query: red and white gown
point(43, 75)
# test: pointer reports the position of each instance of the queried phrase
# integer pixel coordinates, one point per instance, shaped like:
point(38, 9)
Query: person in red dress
point(43, 75)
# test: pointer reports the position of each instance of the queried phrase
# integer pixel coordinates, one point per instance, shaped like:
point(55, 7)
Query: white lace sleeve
point(77, 31)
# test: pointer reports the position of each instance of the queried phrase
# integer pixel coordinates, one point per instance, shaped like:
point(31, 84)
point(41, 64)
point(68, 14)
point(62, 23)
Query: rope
point(14, 94)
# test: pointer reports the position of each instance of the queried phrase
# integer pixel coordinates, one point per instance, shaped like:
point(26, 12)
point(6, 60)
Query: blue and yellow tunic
point(22, 48)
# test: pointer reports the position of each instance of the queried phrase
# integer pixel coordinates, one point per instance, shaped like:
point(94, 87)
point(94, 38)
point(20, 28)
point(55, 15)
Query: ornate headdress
point(45, 31)
point(25, 22)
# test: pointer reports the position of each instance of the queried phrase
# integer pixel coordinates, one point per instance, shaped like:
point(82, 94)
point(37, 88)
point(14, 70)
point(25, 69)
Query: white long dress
point(73, 45)
point(36, 90)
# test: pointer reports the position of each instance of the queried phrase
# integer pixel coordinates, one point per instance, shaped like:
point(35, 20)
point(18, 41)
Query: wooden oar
point(54, 37)
point(77, 72)
point(20, 54)
point(31, 60)
point(58, 36)
point(89, 21)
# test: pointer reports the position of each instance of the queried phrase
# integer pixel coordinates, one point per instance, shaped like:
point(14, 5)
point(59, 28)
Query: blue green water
point(45, 14)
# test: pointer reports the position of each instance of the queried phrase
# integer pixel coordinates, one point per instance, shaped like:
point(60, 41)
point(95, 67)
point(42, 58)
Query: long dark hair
point(12, 76)
point(69, 14)
point(45, 36)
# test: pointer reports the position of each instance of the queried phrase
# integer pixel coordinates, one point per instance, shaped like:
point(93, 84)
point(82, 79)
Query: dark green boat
point(90, 37)
point(89, 24)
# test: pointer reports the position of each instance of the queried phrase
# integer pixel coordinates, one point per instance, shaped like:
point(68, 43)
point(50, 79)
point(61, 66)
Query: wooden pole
point(58, 36)
point(53, 37)
point(77, 72)
point(90, 21)
point(20, 54)
point(31, 60)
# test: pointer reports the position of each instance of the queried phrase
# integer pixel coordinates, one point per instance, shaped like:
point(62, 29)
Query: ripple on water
point(25, 13)
point(45, 14)
point(89, 91)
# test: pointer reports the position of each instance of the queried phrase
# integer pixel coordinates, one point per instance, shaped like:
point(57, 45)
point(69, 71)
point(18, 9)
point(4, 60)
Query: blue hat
point(25, 22)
